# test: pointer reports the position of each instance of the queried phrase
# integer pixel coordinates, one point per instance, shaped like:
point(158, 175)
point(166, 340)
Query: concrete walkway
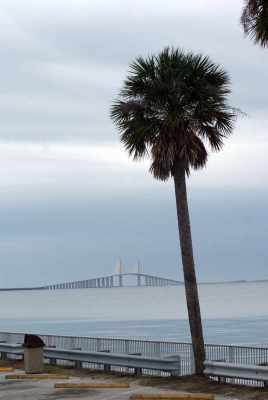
point(44, 389)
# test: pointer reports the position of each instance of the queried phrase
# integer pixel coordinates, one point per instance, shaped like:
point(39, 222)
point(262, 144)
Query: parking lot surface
point(12, 389)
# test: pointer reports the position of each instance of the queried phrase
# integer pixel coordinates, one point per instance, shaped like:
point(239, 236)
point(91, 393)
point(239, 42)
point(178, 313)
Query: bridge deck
point(106, 281)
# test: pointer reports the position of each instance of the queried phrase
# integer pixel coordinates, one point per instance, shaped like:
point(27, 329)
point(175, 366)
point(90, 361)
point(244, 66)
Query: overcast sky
point(71, 202)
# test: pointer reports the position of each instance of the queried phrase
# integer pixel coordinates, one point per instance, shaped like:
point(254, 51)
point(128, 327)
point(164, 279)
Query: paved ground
point(44, 390)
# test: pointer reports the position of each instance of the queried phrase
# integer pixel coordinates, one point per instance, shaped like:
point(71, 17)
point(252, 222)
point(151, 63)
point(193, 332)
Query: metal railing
point(237, 371)
point(148, 348)
point(165, 364)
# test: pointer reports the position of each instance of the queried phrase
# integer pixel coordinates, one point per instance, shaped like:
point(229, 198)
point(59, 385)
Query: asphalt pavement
point(43, 389)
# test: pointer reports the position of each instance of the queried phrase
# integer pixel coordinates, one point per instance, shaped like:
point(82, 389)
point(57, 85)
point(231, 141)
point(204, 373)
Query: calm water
point(232, 313)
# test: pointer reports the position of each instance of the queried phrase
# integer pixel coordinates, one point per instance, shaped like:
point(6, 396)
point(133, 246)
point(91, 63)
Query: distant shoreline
point(240, 281)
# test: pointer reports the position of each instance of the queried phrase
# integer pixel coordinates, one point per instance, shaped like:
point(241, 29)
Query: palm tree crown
point(254, 20)
point(170, 107)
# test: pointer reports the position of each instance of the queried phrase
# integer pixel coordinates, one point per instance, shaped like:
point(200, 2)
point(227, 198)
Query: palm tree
point(254, 20)
point(170, 106)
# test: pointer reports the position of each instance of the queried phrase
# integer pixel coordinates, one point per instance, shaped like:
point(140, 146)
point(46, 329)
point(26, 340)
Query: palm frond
point(254, 20)
point(170, 105)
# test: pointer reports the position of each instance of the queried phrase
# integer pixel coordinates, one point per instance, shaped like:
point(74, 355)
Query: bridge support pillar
point(99, 282)
point(107, 281)
point(102, 282)
point(111, 281)
point(138, 280)
point(120, 280)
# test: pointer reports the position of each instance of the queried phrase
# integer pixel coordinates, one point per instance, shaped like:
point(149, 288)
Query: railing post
point(52, 361)
point(232, 359)
point(231, 354)
point(157, 349)
point(3, 355)
point(126, 347)
point(137, 370)
point(78, 364)
point(106, 367)
point(157, 354)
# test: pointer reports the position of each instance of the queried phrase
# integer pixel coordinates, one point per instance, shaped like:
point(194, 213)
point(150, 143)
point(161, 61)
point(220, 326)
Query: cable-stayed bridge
point(116, 279)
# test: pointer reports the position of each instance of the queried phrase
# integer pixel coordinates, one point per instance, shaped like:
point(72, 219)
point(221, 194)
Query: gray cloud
point(62, 66)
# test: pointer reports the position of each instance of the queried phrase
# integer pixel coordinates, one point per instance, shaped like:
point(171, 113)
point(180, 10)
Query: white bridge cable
point(119, 268)
point(137, 269)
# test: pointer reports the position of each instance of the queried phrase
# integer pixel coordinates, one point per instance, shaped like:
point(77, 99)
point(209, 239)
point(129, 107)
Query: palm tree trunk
point(189, 267)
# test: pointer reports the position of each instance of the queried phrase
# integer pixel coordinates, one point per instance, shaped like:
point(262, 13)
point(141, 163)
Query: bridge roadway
point(110, 281)
point(115, 280)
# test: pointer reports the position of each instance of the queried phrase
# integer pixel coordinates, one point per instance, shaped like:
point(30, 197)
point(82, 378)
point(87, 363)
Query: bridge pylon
point(119, 270)
point(137, 270)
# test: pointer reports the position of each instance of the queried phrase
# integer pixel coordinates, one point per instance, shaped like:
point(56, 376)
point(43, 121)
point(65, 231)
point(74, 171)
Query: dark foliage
point(254, 20)
point(172, 105)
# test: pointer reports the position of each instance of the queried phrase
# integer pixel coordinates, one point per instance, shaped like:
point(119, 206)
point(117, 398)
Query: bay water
point(231, 313)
